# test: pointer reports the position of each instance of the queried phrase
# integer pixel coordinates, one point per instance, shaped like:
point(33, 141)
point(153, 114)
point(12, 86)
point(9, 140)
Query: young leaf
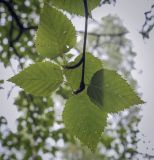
point(84, 120)
point(40, 79)
point(111, 92)
point(56, 34)
point(75, 6)
point(93, 64)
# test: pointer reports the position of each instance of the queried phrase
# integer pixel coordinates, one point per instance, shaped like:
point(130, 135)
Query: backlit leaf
point(84, 120)
point(75, 6)
point(93, 64)
point(40, 79)
point(56, 34)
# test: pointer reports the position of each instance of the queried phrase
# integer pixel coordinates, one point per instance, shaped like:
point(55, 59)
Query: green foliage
point(40, 79)
point(56, 34)
point(74, 6)
point(113, 48)
point(1, 82)
point(111, 92)
point(106, 89)
point(24, 46)
point(33, 130)
point(84, 120)
point(106, 140)
point(93, 64)
point(64, 91)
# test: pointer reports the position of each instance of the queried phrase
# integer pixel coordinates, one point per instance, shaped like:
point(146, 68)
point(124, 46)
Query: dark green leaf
point(111, 92)
point(1, 81)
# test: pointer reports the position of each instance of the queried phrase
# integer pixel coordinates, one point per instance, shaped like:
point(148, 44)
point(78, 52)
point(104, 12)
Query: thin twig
point(12, 12)
point(104, 34)
point(21, 29)
point(149, 23)
point(74, 66)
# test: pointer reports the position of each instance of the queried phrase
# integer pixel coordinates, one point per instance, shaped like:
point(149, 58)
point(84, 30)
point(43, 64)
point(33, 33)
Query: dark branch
point(104, 34)
point(12, 12)
point(149, 23)
point(21, 29)
point(17, 19)
point(74, 66)
point(82, 83)
point(97, 35)
point(107, 2)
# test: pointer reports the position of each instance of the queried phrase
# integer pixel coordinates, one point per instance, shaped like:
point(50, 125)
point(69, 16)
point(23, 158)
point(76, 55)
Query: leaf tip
point(10, 80)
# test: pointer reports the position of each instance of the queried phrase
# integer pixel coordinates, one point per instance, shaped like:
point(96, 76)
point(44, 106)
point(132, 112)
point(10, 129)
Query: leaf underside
point(111, 92)
point(56, 35)
point(84, 120)
point(40, 79)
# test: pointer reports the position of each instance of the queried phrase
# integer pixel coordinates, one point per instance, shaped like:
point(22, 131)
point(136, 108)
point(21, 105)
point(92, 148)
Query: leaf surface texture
point(39, 79)
point(56, 34)
point(111, 92)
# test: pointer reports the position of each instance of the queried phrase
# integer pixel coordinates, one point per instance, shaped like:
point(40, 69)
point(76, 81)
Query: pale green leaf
point(56, 35)
point(75, 6)
point(111, 92)
point(93, 64)
point(40, 79)
point(84, 120)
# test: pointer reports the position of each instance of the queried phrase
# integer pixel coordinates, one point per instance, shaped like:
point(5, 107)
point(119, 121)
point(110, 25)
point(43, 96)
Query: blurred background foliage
point(40, 131)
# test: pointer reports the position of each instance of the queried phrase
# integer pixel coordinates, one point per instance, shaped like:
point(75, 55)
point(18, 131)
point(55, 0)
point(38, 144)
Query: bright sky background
point(132, 14)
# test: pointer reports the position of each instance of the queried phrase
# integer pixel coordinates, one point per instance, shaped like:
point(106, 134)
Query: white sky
point(132, 14)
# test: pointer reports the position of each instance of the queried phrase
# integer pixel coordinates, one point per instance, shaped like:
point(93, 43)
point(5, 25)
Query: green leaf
point(107, 140)
point(75, 6)
point(64, 92)
point(84, 120)
point(111, 92)
point(1, 81)
point(56, 34)
point(40, 79)
point(93, 64)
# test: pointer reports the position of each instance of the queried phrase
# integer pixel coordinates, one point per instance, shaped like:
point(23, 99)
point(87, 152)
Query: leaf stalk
point(82, 83)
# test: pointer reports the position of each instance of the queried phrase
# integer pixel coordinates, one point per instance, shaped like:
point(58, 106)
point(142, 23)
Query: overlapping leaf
point(93, 64)
point(40, 79)
point(84, 120)
point(75, 6)
point(111, 92)
point(56, 34)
